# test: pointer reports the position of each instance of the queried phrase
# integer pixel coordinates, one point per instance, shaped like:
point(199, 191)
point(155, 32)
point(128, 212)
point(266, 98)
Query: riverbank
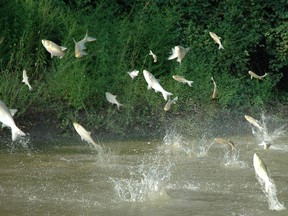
point(45, 127)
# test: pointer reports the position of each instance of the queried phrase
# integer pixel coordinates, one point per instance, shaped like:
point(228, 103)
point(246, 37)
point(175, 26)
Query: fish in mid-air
point(153, 83)
point(53, 48)
point(80, 45)
point(252, 74)
point(214, 95)
point(112, 99)
point(153, 55)
point(86, 135)
point(253, 121)
point(13, 112)
point(7, 119)
point(25, 80)
point(133, 73)
point(169, 102)
point(225, 142)
point(179, 52)
point(261, 171)
point(182, 79)
point(216, 39)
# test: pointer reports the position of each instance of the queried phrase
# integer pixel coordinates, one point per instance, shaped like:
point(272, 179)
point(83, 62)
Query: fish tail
point(16, 132)
point(190, 83)
point(166, 94)
point(220, 46)
point(264, 75)
point(118, 105)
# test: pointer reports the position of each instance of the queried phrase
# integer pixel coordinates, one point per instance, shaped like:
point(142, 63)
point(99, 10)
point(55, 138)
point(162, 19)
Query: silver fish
point(53, 48)
point(25, 80)
point(153, 83)
point(179, 52)
point(253, 121)
point(112, 99)
point(252, 74)
point(214, 95)
point(6, 119)
point(13, 112)
point(182, 79)
point(153, 55)
point(86, 135)
point(225, 142)
point(216, 39)
point(80, 45)
point(261, 171)
point(133, 73)
point(169, 102)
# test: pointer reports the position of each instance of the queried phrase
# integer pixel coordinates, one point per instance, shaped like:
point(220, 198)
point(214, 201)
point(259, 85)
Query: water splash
point(271, 194)
point(264, 137)
point(147, 183)
point(22, 143)
point(231, 159)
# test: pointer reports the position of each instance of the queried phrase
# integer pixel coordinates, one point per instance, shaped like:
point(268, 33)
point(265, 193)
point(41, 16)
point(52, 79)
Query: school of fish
point(178, 53)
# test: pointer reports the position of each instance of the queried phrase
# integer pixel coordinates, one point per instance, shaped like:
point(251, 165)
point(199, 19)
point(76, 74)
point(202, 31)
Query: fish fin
point(16, 132)
point(173, 56)
point(51, 55)
point(90, 39)
point(166, 94)
point(118, 105)
point(189, 83)
point(63, 48)
point(220, 46)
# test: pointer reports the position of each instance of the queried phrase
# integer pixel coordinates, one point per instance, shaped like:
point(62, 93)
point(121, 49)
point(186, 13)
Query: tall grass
point(126, 32)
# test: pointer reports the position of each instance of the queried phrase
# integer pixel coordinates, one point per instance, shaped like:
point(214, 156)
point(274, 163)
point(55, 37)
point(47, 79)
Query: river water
point(172, 175)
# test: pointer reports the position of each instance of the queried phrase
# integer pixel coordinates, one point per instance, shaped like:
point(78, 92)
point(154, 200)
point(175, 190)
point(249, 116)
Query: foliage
point(253, 34)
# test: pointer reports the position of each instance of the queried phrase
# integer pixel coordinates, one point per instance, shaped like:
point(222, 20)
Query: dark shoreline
point(45, 127)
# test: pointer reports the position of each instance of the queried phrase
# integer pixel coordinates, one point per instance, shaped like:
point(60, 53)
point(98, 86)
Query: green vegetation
point(254, 35)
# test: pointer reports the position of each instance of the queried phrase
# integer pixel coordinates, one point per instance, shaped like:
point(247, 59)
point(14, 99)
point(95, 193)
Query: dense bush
point(254, 35)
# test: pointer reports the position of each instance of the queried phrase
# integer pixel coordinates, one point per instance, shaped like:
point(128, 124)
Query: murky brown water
point(170, 176)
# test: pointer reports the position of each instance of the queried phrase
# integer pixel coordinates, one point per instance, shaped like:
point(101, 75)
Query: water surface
point(173, 175)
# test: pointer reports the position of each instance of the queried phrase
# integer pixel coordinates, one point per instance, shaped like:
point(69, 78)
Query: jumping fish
point(133, 73)
point(182, 79)
point(153, 55)
point(252, 74)
point(261, 171)
point(86, 135)
point(179, 52)
point(12, 111)
point(6, 119)
point(168, 104)
point(214, 95)
point(80, 45)
point(112, 99)
point(53, 48)
point(216, 39)
point(225, 142)
point(253, 121)
point(153, 83)
point(25, 80)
